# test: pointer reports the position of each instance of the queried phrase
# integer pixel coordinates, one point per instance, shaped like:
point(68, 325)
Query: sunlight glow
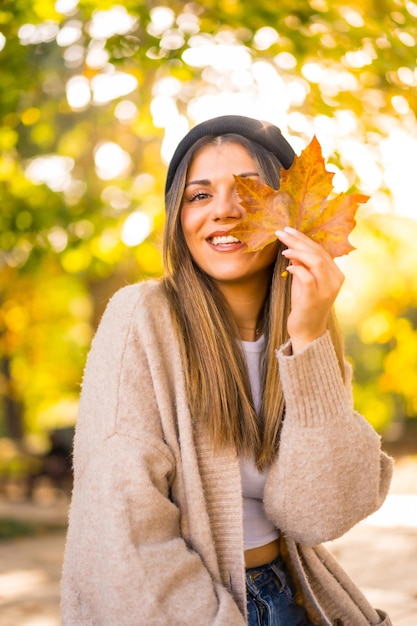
point(125, 111)
point(285, 60)
point(167, 86)
point(398, 510)
point(331, 80)
point(340, 181)
point(97, 55)
point(102, 89)
point(162, 18)
point(16, 582)
point(66, 7)
point(400, 104)
point(115, 21)
point(346, 122)
point(78, 92)
point(352, 17)
point(399, 158)
point(297, 91)
point(407, 39)
point(407, 76)
point(111, 160)
point(313, 72)
point(174, 132)
point(74, 191)
point(357, 58)
point(265, 37)
point(30, 34)
point(137, 227)
point(163, 110)
point(58, 238)
point(53, 170)
point(69, 34)
point(188, 23)
point(172, 40)
point(74, 56)
point(116, 197)
point(205, 52)
point(364, 163)
point(112, 85)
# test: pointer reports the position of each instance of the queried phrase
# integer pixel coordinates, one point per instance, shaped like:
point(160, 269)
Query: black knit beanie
point(263, 133)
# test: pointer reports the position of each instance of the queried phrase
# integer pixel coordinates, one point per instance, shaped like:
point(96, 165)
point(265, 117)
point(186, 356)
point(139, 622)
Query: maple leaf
point(301, 202)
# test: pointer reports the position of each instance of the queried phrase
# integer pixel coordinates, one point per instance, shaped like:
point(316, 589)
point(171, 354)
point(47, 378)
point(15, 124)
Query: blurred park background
point(94, 96)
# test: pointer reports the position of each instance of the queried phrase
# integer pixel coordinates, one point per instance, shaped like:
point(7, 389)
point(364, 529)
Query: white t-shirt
point(257, 528)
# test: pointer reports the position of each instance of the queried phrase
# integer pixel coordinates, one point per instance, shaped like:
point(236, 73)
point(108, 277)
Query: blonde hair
point(216, 375)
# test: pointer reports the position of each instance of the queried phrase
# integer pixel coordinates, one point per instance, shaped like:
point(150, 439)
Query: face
point(210, 209)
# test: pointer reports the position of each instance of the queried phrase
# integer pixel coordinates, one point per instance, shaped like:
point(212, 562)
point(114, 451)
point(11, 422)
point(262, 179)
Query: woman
point(216, 445)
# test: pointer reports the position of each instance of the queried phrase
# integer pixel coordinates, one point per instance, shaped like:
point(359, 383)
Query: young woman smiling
point(217, 446)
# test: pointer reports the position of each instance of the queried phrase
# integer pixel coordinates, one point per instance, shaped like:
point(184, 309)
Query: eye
point(198, 195)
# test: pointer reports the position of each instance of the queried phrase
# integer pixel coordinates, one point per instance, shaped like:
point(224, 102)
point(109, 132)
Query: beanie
point(263, 133)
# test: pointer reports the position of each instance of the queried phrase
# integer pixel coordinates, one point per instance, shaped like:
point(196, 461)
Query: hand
point(316, 282)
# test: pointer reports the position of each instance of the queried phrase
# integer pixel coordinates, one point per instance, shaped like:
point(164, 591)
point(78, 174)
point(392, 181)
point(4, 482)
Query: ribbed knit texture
point(322, 577)
point(222, 490)
point(155, 531)
point(313, 383)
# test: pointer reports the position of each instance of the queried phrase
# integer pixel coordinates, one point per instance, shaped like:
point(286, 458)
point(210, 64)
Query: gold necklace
point(257, 329)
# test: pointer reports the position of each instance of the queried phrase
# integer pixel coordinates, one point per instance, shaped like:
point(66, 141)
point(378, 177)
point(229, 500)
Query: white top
point(258, 530)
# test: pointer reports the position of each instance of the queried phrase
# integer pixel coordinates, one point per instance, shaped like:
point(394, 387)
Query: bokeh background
point(94, 96)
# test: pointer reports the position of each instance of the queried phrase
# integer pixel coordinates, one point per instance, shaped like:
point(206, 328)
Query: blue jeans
point(271, 596)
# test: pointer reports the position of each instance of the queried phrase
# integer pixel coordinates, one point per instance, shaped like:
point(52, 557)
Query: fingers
point(316, 282)
point(299, 241)
point(302, 250)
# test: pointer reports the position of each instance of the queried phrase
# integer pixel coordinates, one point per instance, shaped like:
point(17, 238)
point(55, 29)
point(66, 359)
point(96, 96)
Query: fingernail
point(280, 233)
point(290, 230)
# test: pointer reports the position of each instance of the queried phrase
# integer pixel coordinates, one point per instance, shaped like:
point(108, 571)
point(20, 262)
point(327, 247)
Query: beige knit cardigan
point(155, 530)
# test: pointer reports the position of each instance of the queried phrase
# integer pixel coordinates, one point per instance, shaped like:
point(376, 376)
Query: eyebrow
point(206, 181)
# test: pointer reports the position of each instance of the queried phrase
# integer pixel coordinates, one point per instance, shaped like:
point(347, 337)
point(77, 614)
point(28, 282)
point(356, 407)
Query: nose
point(227, 206)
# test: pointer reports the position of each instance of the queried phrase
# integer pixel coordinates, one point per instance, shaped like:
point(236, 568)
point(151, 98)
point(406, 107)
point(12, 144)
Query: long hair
point(216, 375)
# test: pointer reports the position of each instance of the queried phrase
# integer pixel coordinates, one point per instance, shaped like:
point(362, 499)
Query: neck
point(246, 307)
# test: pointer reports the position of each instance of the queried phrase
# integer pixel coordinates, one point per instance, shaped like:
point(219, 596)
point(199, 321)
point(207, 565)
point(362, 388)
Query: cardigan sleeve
point(126, 559)
point(330, 472)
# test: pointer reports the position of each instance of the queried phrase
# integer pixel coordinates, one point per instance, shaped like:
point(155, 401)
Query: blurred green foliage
point(65, 240)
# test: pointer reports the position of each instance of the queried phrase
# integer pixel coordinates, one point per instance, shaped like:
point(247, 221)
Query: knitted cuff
point(312, 384)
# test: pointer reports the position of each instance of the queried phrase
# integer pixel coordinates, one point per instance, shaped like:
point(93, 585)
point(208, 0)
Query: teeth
point(215, 241)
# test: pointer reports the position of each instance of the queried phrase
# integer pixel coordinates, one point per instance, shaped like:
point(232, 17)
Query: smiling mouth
point(223, 239)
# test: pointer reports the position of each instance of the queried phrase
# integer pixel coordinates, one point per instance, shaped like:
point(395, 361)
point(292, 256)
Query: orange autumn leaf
point(301, 202)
